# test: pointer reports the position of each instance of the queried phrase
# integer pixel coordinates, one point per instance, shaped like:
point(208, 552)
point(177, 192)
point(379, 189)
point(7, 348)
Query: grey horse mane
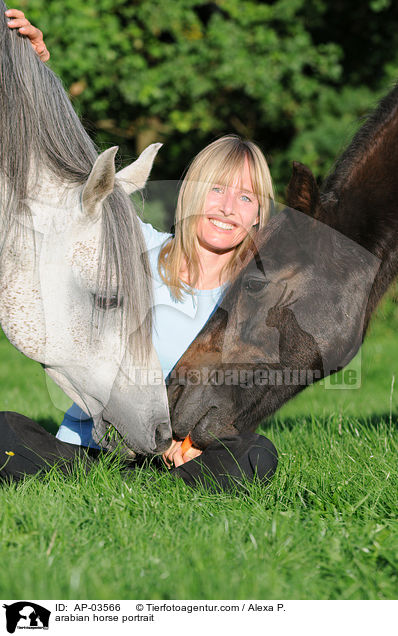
point(41, 133)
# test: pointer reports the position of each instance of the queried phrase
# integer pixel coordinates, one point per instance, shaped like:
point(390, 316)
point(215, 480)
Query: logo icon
point(26, 615)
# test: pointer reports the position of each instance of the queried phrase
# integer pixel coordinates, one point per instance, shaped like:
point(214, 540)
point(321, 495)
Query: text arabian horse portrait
point(75, 283)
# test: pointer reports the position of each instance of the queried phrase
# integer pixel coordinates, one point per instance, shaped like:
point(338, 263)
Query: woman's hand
point(173, 455)
point(26, 28)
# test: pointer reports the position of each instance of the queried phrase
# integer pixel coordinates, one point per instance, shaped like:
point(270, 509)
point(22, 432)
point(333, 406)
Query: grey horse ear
point(100, 183)
point(134, 176)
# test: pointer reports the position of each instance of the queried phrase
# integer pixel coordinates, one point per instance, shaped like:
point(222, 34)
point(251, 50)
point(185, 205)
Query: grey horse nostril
point(162, 437)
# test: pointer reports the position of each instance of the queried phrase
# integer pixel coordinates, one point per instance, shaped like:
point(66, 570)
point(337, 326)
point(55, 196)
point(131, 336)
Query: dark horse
point(300, 307)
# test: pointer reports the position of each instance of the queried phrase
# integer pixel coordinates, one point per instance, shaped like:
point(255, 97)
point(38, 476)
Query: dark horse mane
point(40, 133)
point(364, 142)
point(359, 197)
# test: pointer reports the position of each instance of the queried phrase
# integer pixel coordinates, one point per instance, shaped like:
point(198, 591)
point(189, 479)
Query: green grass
point(325, 527)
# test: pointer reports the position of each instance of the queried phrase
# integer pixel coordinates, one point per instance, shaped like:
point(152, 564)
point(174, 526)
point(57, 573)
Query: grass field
point(325, 528)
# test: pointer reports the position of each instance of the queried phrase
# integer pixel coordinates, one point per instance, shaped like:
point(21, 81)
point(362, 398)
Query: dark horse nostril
point(174, 393)
point(163, 437)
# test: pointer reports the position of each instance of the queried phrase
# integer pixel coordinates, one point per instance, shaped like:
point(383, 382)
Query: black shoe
point(227, 463)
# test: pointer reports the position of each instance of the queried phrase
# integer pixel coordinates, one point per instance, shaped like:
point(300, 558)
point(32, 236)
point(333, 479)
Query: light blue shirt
point(175, 325)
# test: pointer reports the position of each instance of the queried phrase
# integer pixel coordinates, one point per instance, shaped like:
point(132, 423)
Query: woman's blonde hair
point(218, 163)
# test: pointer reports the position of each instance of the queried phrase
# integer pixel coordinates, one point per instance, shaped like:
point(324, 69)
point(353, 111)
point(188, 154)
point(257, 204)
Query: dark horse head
point(299, 309)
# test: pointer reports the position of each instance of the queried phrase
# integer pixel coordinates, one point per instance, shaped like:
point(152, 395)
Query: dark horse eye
point(254, 285)
point(107, 302)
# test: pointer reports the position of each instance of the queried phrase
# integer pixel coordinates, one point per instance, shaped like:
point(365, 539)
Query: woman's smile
point(221, 225)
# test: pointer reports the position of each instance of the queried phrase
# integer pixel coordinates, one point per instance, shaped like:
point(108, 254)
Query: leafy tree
point(294, 75)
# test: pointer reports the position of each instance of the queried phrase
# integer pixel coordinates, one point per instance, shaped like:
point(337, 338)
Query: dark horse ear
point(302, 192)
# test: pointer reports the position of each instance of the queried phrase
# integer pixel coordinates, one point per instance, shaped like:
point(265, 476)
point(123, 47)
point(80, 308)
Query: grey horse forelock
point(41, 133)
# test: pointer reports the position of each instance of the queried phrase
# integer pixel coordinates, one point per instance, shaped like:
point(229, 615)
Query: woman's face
point(229, 213)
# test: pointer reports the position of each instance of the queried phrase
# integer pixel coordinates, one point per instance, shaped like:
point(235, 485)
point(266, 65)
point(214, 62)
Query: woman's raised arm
point(26, 28)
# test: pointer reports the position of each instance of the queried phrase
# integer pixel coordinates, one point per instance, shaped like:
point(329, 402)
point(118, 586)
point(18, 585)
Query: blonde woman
point(224, 199)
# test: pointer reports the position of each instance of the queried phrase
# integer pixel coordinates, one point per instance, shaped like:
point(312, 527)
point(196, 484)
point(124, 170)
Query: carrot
point(186, 445)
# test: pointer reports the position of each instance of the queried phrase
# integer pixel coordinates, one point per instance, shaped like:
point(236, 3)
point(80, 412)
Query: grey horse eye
point(254, 285)
point(104, 303)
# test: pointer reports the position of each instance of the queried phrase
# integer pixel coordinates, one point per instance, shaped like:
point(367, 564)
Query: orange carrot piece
point(186, 445)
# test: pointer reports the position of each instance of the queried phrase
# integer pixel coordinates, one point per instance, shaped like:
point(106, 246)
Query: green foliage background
point(294, 75)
